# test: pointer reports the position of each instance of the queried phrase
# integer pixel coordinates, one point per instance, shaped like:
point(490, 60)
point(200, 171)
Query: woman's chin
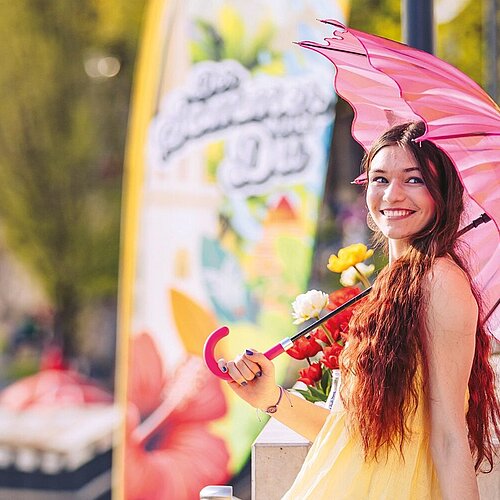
point(397, 232)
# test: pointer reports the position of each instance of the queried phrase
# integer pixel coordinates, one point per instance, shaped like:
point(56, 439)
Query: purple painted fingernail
point(249, 352)
point(223, 369)
point(258, 374)
point(243, 384)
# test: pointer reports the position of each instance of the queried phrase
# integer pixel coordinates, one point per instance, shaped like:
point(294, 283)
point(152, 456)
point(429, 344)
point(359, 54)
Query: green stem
point(362, 277)
point(328, 334)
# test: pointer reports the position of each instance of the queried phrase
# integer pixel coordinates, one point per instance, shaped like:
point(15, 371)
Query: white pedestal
point(277, 456)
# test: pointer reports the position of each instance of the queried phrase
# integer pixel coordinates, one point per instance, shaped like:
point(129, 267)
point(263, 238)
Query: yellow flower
point(232, 31)
point(348, 256)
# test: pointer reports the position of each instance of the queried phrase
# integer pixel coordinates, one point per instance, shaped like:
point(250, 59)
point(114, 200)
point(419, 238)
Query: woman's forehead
point(394, 159)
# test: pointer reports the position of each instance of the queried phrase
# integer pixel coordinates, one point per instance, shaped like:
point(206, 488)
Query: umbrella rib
point(313, 45)
point(492, 310)
point(456, 136)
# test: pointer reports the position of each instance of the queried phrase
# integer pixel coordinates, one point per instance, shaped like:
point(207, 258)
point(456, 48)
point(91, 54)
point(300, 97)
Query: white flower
point(309, 305)
point(350, 276)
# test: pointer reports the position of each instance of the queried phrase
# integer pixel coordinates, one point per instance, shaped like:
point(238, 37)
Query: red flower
point(332, 327)
point(304, 348)
point(311, 374)
point(331, 355)
point(170, 450)
point(338, 325)
point(341, 296)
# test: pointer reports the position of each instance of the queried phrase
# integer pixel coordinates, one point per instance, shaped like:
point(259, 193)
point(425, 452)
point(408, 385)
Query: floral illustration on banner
point(167, 429)
point(323, 346)
point(228, 39)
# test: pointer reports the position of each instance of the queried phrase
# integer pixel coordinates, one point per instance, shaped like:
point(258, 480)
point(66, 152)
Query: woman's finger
point(235, 374)
point(222, 365)
point(253, 366)
point(247, 368)
point(266, 366)
point(251, 362)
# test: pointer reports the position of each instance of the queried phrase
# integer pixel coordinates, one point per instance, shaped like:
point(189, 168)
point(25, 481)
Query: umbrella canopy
point(388, 83)
point(53, 388)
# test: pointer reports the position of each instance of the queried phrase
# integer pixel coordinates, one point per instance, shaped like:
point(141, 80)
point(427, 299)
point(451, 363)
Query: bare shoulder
point(447, 276)
point(445, 268)
point(451, 301)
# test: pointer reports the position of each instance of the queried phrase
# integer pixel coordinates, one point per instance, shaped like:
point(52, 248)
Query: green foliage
point(61, 141)
point(321, 390)
point(380, 17)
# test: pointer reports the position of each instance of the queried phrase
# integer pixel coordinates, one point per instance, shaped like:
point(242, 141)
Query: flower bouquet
point(322, 347)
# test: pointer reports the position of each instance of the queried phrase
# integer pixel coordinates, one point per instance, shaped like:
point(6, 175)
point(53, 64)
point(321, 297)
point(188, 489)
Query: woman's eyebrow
point(382, 171)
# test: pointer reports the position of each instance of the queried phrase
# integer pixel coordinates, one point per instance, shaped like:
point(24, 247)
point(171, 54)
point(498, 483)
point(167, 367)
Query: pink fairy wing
point(388, 83)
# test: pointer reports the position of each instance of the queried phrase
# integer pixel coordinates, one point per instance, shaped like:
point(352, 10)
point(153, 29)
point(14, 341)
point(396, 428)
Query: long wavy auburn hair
point(386, 347)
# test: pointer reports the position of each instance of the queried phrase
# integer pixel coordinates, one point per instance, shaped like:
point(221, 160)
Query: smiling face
point(397, 197)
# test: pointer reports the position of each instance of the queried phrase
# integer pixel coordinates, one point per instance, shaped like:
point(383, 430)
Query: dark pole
point(418, 24)
point(490, 47)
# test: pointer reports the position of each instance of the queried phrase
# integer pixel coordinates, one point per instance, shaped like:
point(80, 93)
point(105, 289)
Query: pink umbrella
point(53, 388)
point(54, 385)
point(388, 83)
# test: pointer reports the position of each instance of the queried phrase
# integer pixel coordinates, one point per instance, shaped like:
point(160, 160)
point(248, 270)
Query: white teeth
point(396, 213)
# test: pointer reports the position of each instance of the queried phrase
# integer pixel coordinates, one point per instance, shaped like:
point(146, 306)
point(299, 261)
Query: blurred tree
point(62, 137)
point(380, 17)
point(458, 41)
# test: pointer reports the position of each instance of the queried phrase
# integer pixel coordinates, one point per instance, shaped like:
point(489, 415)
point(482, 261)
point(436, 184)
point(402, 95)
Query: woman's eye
point(379, 179)
point(415, 180)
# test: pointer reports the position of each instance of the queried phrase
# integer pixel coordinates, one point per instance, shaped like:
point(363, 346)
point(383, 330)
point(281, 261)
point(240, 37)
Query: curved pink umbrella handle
point(209, 355)
point(220, 333)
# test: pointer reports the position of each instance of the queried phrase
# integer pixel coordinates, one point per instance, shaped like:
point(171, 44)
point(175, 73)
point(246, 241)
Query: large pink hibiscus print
point(170, 452)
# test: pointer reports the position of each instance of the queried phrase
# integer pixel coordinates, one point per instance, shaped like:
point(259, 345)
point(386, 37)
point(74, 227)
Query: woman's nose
point(394, 192)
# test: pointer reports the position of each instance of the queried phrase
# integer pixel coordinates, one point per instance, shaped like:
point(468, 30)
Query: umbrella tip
point(333, 22)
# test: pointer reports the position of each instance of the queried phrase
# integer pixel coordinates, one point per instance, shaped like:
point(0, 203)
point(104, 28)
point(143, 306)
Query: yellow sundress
point(335, 469)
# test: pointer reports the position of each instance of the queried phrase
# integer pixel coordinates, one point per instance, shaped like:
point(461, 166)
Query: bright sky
point(446, 10)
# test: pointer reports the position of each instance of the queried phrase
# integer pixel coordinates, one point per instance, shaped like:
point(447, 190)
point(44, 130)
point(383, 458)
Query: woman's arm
point(451, 330)
point(254, 381)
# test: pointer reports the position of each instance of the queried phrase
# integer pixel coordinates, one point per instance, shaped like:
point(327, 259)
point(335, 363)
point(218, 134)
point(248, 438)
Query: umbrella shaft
point(331, 314)
point(482, 219)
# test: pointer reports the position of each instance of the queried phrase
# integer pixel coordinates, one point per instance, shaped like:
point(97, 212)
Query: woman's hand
point(254, 382)
point(253, 378)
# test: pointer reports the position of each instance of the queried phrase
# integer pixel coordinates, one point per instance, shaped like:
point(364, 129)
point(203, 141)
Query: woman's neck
point(396, 249)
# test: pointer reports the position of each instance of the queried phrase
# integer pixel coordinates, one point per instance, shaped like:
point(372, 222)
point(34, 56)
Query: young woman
point(417, 405)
